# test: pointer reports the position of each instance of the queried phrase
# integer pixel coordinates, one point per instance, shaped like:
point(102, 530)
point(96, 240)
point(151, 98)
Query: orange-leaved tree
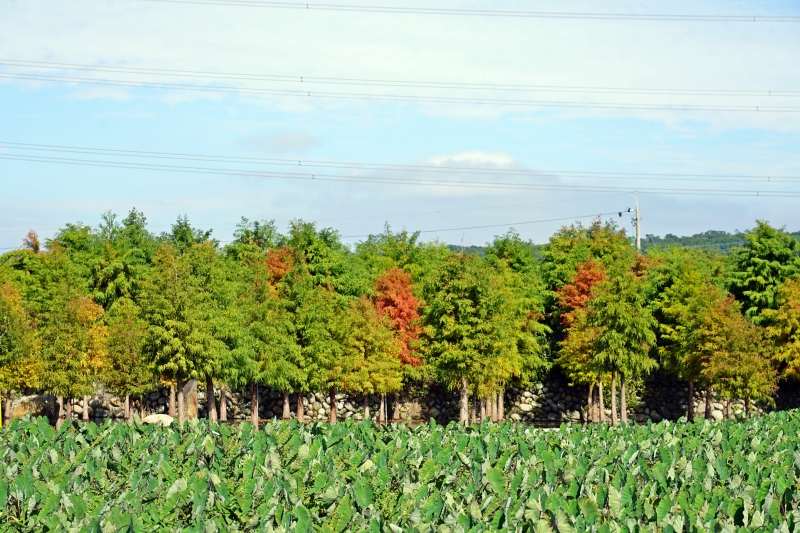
point(576, 355)
point(394, 299)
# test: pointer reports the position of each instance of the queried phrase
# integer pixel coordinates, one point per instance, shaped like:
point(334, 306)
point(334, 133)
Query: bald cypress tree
point(16, 345)
point(180, 309)
point(626, 331)
point(130, 370)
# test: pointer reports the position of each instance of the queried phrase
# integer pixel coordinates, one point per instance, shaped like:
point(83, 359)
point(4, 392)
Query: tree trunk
point(728, 409)
point(127, 407)
point(382, 410)
point(366, 407)
point(59, 411)
point(85, 409)
point(476, 410)
point(181, 402)
point(602, 400)
point(254, 405)
point(708, 403)
point(501, 409)
point(171, 409)
point(287, 410)
point(614, 418)
point(690, 405)
point(623, 399)
point(223, 404)
point(332, 402)
point(747, 407)
point(482, 403)
point(301, 417)
point(396, 406)
point(69, 408)
point(590, 404)
point(463, 403)
point(7, 411)
point(211, 402)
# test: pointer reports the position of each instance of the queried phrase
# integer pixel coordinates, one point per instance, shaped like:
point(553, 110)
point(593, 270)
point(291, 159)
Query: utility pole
point(638, 224)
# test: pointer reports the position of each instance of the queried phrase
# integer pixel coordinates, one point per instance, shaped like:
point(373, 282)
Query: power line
point(500, 225)
point(485, 12)
point(511, 224)
point(395, 83)
point(439, 212)
point(399, 97)
point(396, 180)
point(433, 169)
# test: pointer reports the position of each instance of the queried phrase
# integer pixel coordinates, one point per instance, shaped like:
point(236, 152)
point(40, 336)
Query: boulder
point(35, 405)
point(164, 420)
point(717, 415)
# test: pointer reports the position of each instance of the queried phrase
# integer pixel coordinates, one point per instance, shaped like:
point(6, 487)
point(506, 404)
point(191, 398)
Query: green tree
point(626, 331)
point(769, 257)
point(180, 311)
point(464, 328)
point(523, 295)
point(120, 259)
point(401, 249)
point(323, 277)
point(573, 245)
point(269, 355)
point(130, 371)
point(682, 308)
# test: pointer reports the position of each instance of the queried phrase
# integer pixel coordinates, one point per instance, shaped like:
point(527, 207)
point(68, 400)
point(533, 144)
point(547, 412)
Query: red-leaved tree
point(394, 297)
point(279, 262)
point(575, 295)
point(576, 355)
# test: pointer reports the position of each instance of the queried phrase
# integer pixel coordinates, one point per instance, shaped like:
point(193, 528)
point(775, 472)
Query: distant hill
point(480, 251)
point(719, 240)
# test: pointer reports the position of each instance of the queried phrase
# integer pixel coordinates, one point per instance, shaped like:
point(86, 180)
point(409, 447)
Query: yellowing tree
point(737, 360)
point(784, 328)
point(370, 355)
point(15, 345)
point(74, 346)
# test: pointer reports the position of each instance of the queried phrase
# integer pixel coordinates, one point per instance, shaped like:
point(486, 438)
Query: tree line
point(302, 312)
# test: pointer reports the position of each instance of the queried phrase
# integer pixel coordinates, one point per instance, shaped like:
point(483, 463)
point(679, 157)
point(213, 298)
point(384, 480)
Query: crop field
point(729, 476)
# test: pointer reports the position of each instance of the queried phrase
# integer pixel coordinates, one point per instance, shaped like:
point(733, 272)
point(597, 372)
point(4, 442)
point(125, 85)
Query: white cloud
point(476, 158)
point(284, 142)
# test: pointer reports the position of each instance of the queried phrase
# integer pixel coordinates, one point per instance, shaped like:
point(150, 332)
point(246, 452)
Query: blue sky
point(642, 54)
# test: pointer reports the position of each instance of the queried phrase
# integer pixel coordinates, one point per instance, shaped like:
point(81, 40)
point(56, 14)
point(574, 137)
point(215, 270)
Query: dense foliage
point(733, 476)
point(299, 312)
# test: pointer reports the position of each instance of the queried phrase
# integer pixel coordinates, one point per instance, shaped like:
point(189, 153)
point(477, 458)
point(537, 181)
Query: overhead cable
point(385, 216)
point(510, 224)
point(402, 10)
point(420, 84)
point(397, 97)
point(427, 169)
point(397, 180)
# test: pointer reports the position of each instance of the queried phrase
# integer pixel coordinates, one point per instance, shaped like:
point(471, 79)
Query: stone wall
point(547, 404)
